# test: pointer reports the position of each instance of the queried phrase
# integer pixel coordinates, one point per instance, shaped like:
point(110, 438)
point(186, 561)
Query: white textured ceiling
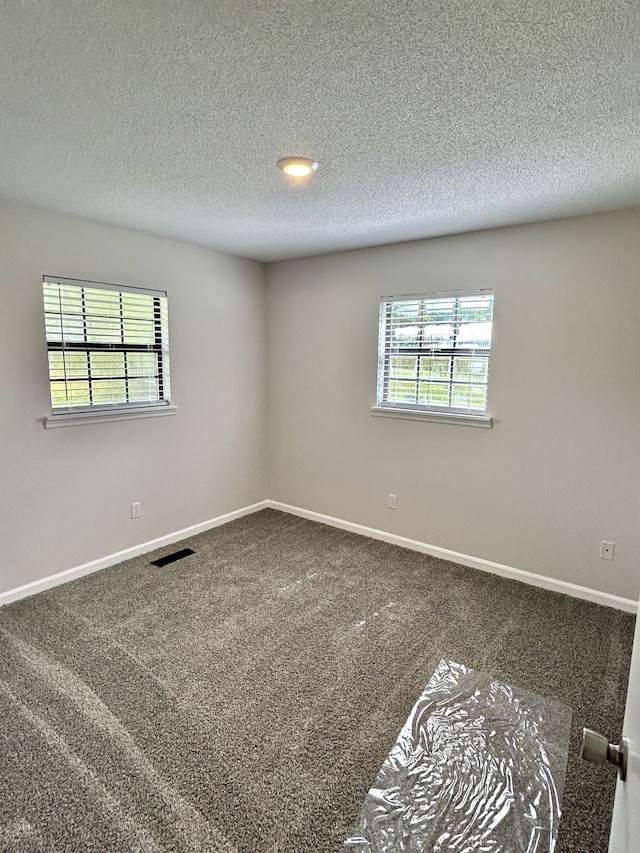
point(427, 116)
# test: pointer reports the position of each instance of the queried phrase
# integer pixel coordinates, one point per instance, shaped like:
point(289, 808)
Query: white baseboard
point(120, 556)
point(530, 578)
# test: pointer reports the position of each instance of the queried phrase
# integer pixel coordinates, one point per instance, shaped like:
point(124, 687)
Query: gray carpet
point(245, 698)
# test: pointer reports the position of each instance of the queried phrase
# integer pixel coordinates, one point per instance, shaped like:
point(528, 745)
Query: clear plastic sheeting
point(478, 768)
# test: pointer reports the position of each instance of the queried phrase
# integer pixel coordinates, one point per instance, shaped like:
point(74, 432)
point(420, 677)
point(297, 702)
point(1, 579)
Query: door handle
point(596, 748)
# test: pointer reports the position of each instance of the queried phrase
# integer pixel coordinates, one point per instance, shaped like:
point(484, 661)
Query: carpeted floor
point(245, 698)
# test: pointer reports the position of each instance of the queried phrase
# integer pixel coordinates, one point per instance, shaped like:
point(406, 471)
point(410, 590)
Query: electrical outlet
point(136, 509)
point(606, 550)
point(393, 502)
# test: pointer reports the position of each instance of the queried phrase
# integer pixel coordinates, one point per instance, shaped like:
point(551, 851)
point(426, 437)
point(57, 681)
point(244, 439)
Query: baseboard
point(574, 590)
point(604, 598)
point(120, 556)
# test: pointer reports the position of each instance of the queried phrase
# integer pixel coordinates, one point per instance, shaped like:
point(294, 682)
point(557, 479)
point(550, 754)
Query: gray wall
point(65, 493)
point(560, 469)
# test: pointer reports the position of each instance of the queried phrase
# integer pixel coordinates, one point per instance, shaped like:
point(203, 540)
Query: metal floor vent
point(171, 558)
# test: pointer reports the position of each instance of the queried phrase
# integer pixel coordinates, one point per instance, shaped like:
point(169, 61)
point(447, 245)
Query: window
point(108, 346)
point(434, 353)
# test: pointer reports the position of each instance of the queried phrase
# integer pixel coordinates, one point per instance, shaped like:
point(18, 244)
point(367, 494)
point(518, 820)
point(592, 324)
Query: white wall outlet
point(393, 502)
point(136, 509)
point(606, 550)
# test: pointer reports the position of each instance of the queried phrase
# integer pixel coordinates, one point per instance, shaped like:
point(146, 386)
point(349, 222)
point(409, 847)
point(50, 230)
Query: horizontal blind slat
point(100, 285)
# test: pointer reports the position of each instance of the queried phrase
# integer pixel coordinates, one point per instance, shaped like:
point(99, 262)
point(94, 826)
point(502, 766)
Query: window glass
point(107, 346)
point(434, 352)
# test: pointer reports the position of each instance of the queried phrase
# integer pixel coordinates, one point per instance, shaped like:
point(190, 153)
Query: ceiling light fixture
point(297, 167)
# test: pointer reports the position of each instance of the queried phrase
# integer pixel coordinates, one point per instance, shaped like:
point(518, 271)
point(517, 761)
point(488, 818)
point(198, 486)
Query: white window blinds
point(108, 346)
point(434, 352)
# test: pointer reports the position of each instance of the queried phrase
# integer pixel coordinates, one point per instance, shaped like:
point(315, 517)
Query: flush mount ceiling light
point(297, 167)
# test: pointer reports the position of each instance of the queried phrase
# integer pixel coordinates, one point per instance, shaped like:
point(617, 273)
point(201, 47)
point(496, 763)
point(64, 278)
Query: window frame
point(90, 343)
point(386, 351)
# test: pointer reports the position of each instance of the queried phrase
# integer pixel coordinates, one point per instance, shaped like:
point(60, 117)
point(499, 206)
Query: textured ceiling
point(427, 116)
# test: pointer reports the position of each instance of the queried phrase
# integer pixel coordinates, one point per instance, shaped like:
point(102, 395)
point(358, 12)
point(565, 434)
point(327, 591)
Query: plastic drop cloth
point(478, 768)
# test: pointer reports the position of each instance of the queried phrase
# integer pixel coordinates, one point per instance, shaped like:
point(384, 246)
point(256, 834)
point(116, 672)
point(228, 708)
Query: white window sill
point(82, 418)
point(436, 417)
